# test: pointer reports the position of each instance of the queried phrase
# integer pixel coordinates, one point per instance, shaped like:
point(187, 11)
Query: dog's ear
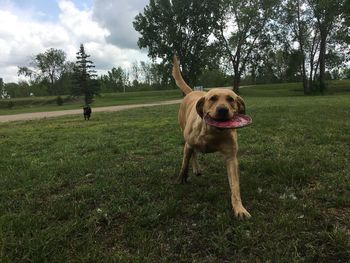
point(200, 106)
point(240, 105)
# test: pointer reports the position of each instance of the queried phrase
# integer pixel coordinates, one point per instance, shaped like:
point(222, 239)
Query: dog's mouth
point(238, 121)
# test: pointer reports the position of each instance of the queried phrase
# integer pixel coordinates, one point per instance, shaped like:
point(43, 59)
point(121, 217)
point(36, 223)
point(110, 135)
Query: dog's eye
point(230, 99)
point(214, 98)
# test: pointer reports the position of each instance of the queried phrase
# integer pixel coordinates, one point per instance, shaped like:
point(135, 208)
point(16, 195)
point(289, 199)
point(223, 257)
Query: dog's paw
point(241, 212)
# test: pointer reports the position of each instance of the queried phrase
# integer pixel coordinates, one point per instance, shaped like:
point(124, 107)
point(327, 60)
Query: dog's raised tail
point(180, 82)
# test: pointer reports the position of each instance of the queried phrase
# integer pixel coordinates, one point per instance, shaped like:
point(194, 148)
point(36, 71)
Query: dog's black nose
point(222, 110)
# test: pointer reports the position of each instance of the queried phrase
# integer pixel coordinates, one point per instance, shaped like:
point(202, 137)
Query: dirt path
point(51, 114)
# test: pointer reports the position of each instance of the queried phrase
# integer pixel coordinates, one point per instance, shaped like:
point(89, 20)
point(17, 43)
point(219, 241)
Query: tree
point(16, 90)
point(181, 26)
point(45, 66)
point(85, 82)
point(145, 70)
point(346, 73)
point(329, 16)
point(297, 20)
point(65, 82)
point(135, 72)
point(248, 20)
point(3, 92)
point(117, 79)
point(214, 78)
point(319, 28)
point(334, 62)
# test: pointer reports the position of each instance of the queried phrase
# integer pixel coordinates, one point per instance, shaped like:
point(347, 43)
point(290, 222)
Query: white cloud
point(80, 24)
point(23, 34)
point(9, 73)
point(118, 16)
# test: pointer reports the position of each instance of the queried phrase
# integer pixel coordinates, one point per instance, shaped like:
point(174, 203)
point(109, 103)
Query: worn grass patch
point(105, 190)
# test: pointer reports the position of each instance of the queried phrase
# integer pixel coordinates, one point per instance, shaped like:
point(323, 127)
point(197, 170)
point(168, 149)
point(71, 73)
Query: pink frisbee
point(238, 121)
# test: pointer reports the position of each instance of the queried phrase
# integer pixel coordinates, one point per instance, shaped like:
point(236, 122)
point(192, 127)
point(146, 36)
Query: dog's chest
point(207, 143)
point(206, 139)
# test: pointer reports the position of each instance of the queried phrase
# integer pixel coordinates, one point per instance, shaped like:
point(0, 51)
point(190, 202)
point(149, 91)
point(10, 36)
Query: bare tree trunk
point(301, 44)
point(322, 60)
point(316, 69)
point(305, 82)
point(253, 73)
point(237, 73)
point(311, 72)
point(315, 43)
point(236, 82)
point(52, 81)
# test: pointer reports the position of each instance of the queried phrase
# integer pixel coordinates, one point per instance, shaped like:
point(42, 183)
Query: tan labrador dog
point(219, 105)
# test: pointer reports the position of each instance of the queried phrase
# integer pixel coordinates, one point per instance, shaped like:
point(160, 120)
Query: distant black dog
point(87, 112)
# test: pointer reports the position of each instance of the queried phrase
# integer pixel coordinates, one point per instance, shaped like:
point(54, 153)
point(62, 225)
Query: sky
point(29, 27)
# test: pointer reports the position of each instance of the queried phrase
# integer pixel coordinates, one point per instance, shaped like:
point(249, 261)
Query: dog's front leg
point(233, 177)
point(196, 168)
point(188, 151)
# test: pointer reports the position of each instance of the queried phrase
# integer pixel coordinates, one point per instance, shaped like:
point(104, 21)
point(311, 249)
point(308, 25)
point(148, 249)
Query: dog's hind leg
point(195, 165)
point(188, 151)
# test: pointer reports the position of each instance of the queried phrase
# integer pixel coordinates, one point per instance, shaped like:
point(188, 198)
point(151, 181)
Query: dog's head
point(220, 105)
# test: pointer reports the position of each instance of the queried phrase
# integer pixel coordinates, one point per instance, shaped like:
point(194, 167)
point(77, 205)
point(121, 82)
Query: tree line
point(50, 73)
point(251, 41)
point(219, 43)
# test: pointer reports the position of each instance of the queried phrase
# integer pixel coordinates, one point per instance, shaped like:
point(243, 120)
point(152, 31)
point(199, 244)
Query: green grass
point(293, 89)
point(106, 191)
point(40, 104)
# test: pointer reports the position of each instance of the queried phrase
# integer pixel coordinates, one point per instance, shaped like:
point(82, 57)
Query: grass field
point(40, 104)
point(294, 89)
point(105, 190)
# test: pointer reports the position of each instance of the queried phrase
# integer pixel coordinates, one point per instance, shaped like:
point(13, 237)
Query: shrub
point(10, 104)
point(59, 101)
